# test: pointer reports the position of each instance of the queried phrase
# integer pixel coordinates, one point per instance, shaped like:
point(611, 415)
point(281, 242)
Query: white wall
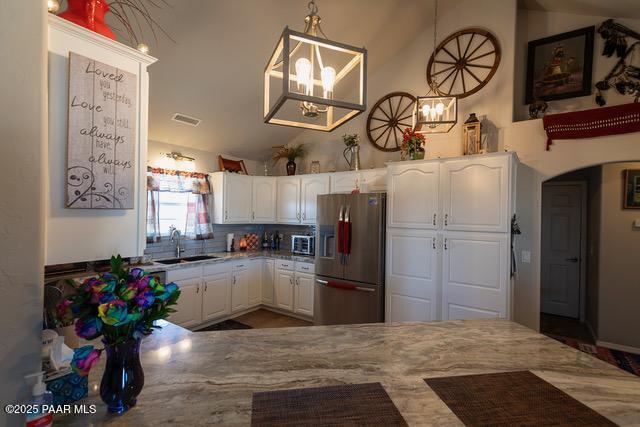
point(205, 162)
point(406, 72)
point(23, 134)
point(533, 25)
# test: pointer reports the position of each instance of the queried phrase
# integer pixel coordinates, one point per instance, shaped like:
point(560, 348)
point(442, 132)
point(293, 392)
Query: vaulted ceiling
point(214, 70)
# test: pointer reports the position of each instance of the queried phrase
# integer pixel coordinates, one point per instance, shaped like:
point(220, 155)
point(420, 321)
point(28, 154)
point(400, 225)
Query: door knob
point(572, 259)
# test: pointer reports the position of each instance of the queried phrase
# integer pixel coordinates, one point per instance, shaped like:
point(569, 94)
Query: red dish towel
point(341, 228)
point(614, 120)
point(347, 238)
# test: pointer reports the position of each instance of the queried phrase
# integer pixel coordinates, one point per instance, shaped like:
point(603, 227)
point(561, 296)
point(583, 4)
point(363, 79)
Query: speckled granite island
point(207, 378)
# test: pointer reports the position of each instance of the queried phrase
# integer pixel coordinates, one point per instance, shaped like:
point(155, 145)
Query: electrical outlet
point(526, 257)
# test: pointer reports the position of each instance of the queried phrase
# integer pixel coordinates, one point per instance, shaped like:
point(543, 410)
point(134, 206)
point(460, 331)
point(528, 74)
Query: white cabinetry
point(288, 200)
point(216, 299)
point(475, 270)
point(344, 182)
point(310, 187)
point(239, 287)
point(413, 195)
point(268, 276)
point(232, 198)
point(263, 200)
point(255, 281)
point(189, 307)
point(412, 275)
point(476, 194)
point(304, 294)
point(448, 238)
point(284, 289)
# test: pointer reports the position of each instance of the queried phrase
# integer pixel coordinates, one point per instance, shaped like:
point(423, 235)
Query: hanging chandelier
point(435, 112)
point(312, 82)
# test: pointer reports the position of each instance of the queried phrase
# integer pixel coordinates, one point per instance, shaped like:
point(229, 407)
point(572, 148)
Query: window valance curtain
point(159, 179)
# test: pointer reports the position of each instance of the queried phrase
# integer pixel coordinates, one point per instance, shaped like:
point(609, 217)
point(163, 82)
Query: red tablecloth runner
point(614, 120)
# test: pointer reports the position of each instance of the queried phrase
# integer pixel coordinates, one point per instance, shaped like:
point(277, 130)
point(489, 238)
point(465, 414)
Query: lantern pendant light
point(312, 82)
point(435, 112)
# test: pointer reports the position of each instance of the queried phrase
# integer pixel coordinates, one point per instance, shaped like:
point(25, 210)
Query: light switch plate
point(526, 257)
point(636, 223)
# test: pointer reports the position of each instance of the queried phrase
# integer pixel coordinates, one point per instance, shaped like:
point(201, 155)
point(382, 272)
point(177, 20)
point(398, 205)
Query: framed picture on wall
point(632, 189)
point(560, 66)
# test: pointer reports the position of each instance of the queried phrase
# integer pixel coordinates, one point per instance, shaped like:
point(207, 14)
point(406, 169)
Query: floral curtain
point(159, 179)
point(198, 217)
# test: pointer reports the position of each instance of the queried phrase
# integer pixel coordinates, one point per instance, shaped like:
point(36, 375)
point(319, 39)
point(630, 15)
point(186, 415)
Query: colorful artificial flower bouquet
point(412, 145)
point(119, 306)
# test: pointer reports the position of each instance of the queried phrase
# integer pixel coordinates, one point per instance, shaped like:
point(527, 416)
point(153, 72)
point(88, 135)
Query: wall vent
point(187, 120)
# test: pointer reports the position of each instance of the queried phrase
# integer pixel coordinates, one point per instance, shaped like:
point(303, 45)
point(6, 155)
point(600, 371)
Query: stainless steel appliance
point(303, 245)
point(349, 260)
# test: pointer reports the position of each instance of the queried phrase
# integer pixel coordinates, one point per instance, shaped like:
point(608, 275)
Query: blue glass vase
point(123, 377)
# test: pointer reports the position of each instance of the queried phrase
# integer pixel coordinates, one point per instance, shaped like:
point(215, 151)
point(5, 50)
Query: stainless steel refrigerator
point(349, 259)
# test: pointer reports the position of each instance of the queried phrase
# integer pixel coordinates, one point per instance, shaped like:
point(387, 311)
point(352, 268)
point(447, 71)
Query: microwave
point(303, 245)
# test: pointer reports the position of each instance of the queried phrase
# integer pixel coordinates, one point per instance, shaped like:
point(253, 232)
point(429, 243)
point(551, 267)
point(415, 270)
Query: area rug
point(342, 405)
point(227, 325)
point(518, 398)
point(628, 361)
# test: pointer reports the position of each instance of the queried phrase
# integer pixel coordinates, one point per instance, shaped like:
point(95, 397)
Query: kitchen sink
point(185, 259)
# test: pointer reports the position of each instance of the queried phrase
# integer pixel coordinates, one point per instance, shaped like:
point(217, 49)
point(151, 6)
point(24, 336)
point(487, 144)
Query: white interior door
point(475, 275)
point(310, 187)
point(413, 196)
point(412, 275)
point(237, 202)
point(216, 298)
point(264, 200)
point(561, 249)
point(288, 200)
point(476, 194)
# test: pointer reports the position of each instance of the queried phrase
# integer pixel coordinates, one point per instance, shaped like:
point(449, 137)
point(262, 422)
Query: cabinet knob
point(253, 215)
point(446, 219)
point(445, 244)
point(226, 214)
point(434, 219)
point(434, 243)
point(205, 287)
point(198, 288)
point(304, 215)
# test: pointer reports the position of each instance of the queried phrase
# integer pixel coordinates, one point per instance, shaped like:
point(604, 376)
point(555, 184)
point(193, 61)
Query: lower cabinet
point(189, 307)
point(239, 290)
point(255, 282)
point(284, 289)
point(216, 298)
point(303, 303)
point(268, 277)
point(216, 290)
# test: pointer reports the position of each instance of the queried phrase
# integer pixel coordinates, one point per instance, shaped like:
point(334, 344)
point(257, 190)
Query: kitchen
point(368, 259)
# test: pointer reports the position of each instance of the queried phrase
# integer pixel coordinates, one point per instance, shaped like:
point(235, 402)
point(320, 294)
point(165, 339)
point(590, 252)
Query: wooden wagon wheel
point(388, 118)
point(464, 62)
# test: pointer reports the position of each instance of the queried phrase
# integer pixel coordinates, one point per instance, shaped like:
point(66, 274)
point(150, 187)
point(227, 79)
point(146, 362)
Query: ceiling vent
point(187, 120)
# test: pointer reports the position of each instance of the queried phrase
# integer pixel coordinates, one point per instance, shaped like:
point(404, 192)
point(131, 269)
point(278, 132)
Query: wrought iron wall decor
point(624, 76)
point(388, 118)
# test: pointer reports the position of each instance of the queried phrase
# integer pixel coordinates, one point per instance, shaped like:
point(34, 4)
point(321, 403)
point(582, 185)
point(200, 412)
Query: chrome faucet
point(174, 233)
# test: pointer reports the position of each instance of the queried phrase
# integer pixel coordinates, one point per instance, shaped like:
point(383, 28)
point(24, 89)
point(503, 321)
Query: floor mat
point(512, 398)
point(227, 325)
point(628, 361)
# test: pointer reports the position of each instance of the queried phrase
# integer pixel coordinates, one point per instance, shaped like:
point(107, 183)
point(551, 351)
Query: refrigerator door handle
point(324, 282)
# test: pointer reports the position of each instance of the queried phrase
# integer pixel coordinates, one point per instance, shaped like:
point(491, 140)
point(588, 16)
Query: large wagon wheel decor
point(388, 118)
point(464, 62)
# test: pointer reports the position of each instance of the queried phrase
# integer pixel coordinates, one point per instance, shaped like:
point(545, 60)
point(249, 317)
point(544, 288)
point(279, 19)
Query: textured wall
point(23, 50)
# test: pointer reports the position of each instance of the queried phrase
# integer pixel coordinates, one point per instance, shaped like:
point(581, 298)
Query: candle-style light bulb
point(440, 108)
point(425, 110)
point(303, 75)
point(328, 76)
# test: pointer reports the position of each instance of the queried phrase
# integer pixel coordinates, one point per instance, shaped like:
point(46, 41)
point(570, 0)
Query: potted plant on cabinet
point(291, 153)
point(412, 145)
point(120, 306)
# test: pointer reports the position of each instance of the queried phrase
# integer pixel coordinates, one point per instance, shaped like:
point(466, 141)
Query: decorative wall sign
point(559, 66)
point(101, 135)
point(632, 189)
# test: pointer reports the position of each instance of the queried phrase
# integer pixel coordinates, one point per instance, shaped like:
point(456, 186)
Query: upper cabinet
point(413, 195)
point(373, 180)
point(288, 200)
point(310, 187)
point(344, 182)
point(231, 198)
point(264, 199)
point(476, 193)
point(89, 234)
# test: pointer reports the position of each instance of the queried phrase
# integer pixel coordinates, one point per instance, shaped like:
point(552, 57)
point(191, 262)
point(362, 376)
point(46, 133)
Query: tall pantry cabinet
point(448, 238)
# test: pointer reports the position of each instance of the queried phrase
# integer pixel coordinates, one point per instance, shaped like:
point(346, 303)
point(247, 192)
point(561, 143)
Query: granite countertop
point(207, 378)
